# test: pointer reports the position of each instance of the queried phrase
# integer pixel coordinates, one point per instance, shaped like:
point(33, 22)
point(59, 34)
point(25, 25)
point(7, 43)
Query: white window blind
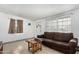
point(59, 25)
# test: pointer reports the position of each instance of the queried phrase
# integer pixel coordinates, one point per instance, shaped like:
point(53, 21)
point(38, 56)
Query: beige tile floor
point(21, 47)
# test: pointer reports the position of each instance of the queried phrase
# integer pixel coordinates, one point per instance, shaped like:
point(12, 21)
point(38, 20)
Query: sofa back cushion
point(49, 35)
point(64, 37)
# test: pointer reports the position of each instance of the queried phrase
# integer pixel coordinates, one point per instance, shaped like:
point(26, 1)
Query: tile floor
point(21, 47)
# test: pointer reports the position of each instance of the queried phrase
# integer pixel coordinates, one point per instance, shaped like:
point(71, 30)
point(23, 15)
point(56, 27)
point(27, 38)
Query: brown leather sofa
point(63, 42)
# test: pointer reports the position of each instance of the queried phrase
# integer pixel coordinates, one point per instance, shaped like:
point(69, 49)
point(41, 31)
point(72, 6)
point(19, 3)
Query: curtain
point(19, 26)
point(12, 26)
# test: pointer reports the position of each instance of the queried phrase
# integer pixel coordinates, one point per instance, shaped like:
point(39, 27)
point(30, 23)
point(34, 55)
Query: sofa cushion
point(58, 43)
point(64, 37)
point(49, 35)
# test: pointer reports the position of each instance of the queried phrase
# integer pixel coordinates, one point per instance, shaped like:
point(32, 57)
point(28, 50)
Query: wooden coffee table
point(34, 45)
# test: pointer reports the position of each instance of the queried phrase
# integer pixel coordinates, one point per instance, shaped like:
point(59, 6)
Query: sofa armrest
point(1, 45)
point(73, 42)
point(73, 45)
point(40, 36)
point(38, 39)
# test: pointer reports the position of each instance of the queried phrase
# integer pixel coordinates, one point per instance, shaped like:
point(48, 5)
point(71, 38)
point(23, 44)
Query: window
point(64, 25)
point(51, 26)
point(16, 26)
point(60, 25)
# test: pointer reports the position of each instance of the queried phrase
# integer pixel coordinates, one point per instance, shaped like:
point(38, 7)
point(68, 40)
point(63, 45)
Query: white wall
point(28, 31)
point(75, 24)
point(41, 30)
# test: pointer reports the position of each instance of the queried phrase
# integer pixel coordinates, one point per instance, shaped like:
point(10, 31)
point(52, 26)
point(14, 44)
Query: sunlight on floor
point(18, 49)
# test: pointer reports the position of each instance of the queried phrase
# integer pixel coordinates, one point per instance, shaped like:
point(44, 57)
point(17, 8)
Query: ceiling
point(35, 11)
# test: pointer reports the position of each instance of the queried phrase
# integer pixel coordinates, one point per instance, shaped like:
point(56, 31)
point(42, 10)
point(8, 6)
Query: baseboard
point(16, 41)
